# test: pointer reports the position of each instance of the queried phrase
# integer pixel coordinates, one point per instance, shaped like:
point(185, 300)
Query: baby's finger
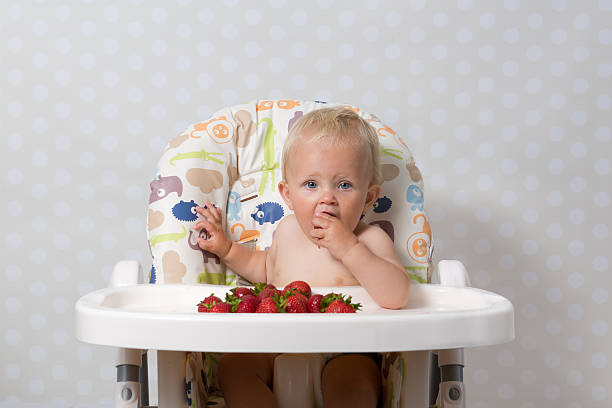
point(207, 225)
point(319, 222)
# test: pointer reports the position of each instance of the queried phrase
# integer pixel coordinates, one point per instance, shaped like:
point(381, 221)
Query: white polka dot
point(438, 117)
point(604, 102)
point(487, 20)
point(507, 262)
point(512, 36)
point(528, 377)
point(534, 53)
point(323, 33)
point(440, 19)
point(600, 296)
point(12, 305)
point(416, 67)
point(482, 246)
point(369, 66)
point(463, 68)
point(553, 360)
point(530, 247)
point(529, 343)
point(38, 288)
point(557, 68)
point(85, 256)
point(507, 229)
point(510, 100)
point(575, 343)
point(554, 230)
point(59, 372)
point(600, 263)
point(62, 209)
point(554, 263)
point(483, 214)
point(61, 273)
point(605, 36)
point(37, 354)
point(277, 64)
point(576, 216)
point(84, 387)
point(558, 36)
point(575, 280)
point(510, 166)
point(506, 359)
point(556, 166)
point(461, 197)
point(530, 311)
point(37, 321)
point(554, 295)
point(599, 360)
point(580, 53)
point(575, 311)
point(346, 82)
point(392, 84)
point(415, 99)
point(438, 84)
point(371, 34)
point(602, 167)
point(506, 391)
point(601, 199)
point(508, 198)
point(599, 393)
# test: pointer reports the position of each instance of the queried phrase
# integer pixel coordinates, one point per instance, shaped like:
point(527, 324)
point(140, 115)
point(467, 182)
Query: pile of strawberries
point(296, 297)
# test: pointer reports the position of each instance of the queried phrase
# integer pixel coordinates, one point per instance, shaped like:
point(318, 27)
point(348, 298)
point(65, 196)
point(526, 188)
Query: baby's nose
point(327, 197)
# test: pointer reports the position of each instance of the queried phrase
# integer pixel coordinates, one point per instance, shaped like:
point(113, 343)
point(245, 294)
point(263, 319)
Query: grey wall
point(506, 106)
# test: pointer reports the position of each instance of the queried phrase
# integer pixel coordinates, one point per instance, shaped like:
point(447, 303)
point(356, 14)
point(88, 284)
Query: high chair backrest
point(233, 160)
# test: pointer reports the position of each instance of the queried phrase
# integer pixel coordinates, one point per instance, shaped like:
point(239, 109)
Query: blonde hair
point(337, 125)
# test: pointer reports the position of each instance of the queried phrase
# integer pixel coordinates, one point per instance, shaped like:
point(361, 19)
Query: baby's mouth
point(329, 213)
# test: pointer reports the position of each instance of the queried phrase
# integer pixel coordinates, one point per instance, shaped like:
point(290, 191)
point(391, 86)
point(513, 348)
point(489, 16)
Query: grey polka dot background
point(506, 106)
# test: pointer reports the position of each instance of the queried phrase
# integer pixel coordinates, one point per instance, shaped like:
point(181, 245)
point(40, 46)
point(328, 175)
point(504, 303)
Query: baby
point(331, 176)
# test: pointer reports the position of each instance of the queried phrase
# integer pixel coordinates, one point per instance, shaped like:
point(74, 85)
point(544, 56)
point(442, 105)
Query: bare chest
point(297, 258)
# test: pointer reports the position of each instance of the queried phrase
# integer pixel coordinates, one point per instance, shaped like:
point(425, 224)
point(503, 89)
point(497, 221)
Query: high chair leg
point(127, 388)
point(171, 379)
point(452, 389)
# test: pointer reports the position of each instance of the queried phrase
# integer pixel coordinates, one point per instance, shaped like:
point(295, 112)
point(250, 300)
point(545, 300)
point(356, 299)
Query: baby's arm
point(247, 263)
point(373, 262)
point(370, 257)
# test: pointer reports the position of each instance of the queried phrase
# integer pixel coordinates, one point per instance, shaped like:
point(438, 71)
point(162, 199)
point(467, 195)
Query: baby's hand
point(329, 232)
point(216, 242)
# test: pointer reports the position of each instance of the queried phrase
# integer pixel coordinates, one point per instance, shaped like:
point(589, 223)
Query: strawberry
point(261, 286)
point(338, 306)
point(300, 286)
point(314, 303)
point(268, 292)
point(295, 304)
point(205, 304)
point(221, 307)
point(247, 304)
point(267, 305)
point(335, 299)
point(240, 291)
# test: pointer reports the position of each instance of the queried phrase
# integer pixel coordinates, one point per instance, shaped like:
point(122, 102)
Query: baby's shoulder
point(371, 233)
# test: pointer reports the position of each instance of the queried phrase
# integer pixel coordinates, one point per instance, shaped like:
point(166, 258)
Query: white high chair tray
point(165, 317)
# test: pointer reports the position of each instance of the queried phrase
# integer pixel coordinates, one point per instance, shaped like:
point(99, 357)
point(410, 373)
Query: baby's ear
point(283, 188)
point(371, 196)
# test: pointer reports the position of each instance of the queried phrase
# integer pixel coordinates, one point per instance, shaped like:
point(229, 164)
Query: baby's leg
point(246, 379)
point(351, 380)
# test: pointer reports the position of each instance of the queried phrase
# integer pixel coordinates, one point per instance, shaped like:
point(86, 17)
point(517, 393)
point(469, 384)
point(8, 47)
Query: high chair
point(233, 161)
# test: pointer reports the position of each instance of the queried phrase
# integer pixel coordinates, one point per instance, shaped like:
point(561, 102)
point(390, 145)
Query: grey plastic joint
point(128, 372)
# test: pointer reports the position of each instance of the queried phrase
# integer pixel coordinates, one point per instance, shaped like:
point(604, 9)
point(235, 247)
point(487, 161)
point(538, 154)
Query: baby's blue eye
point(311, 184)
point(345, 185)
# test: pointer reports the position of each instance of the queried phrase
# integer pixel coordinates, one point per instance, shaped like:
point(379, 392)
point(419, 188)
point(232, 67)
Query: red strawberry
point(205, 304)
point(261, 286)
point(295, 304)
point(338, 306)
point(240, 291)
point(300, 286)
point(221, 307)
point(248, 304)
point(314, 303)
point(267, 305)
point(267, 292)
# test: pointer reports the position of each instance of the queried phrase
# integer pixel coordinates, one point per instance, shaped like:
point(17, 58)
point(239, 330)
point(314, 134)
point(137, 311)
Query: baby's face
point(327, 179)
